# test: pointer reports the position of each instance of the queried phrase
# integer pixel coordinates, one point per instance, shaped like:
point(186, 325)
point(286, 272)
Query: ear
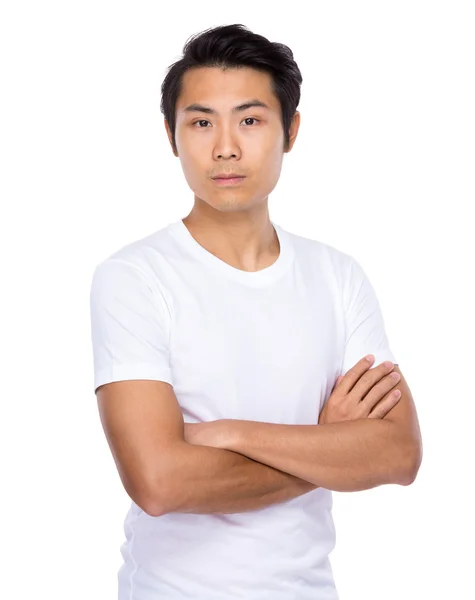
point(293, 131)
point(169, 135)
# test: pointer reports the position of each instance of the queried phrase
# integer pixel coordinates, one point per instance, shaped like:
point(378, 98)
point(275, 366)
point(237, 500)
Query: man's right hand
point(362, 393)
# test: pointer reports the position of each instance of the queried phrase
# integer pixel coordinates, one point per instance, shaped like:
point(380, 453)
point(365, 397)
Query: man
point(229, 356)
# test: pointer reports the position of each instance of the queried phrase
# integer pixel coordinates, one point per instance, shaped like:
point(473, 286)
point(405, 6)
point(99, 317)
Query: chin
point(221, 202)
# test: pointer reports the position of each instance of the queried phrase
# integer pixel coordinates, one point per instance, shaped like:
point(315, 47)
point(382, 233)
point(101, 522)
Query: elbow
point(154, 504)
point(154, 510)
point(151, 503)
point(164, 490)
point(415, 462)
point(412, 475)
point(147, 500)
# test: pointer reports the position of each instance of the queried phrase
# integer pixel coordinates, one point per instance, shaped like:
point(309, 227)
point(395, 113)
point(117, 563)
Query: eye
point(251, 119)
point(206, 121)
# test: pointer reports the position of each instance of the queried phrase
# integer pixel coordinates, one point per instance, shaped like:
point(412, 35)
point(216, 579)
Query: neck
point(244, 240)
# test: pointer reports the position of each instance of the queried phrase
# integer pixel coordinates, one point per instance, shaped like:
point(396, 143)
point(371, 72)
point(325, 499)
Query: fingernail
point(369, 358)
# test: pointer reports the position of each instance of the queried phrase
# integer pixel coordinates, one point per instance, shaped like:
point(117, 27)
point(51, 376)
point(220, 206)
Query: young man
point(229, 356)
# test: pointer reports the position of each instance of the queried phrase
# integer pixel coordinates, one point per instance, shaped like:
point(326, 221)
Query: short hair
point(235, 46)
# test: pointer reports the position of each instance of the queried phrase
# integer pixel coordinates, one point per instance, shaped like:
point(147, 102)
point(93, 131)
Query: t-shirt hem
point(131, 372)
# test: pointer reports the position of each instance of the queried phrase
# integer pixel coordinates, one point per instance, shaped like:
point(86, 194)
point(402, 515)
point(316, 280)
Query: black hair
point(235, 46)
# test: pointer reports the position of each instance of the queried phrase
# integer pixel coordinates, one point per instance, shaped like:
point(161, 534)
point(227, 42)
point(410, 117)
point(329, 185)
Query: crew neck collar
point(252, 278)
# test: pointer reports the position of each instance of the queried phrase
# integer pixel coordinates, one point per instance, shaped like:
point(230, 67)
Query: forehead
point(223, 89)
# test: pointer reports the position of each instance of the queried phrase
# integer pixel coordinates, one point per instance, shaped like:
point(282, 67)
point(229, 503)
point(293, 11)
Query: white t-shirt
point(262, 346)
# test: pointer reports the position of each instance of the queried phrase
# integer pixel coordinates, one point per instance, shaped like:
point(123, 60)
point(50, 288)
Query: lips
point(228, 181)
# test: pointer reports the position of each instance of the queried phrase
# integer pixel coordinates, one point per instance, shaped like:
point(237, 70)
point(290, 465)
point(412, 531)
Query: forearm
point(207, 480)
point(346, 456)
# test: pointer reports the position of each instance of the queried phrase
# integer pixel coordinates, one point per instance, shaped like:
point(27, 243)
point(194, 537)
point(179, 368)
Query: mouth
point(228, 180)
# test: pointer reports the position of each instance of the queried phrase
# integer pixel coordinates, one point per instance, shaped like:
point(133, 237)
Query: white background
point(383, 169)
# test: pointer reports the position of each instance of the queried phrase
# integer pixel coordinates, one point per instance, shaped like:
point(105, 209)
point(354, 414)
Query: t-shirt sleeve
point(129, 325)
point(364, 324)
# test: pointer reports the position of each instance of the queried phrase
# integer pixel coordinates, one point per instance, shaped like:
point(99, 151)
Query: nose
point(226, 145)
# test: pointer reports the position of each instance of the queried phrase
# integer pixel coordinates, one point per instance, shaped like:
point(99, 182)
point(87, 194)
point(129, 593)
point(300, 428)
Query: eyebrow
point(241, 107)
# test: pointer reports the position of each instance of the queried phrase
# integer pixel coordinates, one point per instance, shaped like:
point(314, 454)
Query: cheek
point(270, 146)
point(194, 161)
point(270, 158)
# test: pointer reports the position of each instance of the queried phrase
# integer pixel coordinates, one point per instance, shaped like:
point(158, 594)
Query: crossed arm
point(346, 457)
point(294, 459)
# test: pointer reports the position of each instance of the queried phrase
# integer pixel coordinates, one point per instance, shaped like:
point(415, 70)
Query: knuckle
point(366, 378)
point(393, 377)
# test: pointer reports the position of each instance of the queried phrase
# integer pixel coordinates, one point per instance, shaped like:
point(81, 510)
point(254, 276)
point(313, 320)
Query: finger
point(353, 375)
point(380, 390)
point(385, 406)
point(370, 378)
point(338, 379)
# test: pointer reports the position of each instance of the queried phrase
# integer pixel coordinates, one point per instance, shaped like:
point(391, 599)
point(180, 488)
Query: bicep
point(404, 413)
point(143, 424)
point(365, 331)
point(404, 416)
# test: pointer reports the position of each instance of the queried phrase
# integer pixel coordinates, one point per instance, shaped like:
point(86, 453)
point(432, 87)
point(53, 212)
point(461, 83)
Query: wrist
point(229, 434)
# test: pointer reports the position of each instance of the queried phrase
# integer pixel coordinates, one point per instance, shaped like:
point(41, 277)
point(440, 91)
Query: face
point(212, 138)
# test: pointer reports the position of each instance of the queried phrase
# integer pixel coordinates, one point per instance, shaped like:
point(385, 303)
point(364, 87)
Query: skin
point(232, 223)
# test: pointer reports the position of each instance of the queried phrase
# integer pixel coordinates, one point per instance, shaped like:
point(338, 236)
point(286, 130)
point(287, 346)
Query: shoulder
point(144, 259)
point(136, 272)
point(328, 256)
point(140, 254)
